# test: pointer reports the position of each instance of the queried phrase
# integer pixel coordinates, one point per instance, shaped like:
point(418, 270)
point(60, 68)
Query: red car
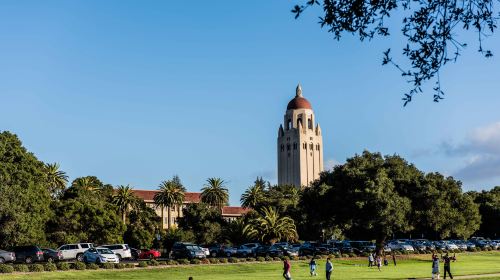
point(149, 254)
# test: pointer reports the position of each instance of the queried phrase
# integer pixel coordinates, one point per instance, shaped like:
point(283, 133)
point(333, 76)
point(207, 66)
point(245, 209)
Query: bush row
point(64, 266)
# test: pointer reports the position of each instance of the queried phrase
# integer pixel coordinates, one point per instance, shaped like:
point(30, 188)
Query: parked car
point(28, 254)
point(74, 251)
point(52, 255)
point(280, 251)
point(343, 247)
point(362, 246)
point(261, 251)
point(399, 245)
point(121, 250)
point(6, 256)
point(449, 245)
point(135, 253)
point(100, 255)
point(205, 250)
point(244, 251)
point(418, 245)
point(182, 250)
point(222, 251)
point(149, 254)
point(493, 244)
point(462, 245)
point(311, 248)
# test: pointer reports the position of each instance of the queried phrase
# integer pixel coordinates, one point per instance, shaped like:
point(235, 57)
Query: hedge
point(108, 265)
point(4, 268)
point(50, 267)
point(78, 266)
point(63, 266)
point(119, 265)
point(36, 268)
point(92, 266)
point(21, 268)
point(143, 264)
point(195, 261)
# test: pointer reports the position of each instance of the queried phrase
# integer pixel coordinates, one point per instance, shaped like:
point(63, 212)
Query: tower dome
point(298, 102)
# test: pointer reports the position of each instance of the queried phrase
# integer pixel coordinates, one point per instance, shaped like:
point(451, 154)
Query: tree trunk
point(379, 246)
point(124, 218)
point(162, 219)
point(168, 217)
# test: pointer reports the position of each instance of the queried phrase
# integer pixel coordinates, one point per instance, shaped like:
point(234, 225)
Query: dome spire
point(298, 91)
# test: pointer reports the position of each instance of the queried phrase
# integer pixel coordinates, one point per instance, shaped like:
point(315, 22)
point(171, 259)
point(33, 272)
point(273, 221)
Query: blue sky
point(136, 91)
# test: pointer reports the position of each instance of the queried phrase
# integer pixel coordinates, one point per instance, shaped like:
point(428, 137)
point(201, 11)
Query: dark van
point(28, 254)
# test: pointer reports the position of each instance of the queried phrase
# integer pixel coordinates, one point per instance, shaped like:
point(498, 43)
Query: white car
point(74, 251)
point(122, 251)
point(450, 245)
point(400, 246)
point(100, 255)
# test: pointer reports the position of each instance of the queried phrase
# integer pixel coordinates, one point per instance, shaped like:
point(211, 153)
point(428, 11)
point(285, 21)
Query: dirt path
point(467, 276)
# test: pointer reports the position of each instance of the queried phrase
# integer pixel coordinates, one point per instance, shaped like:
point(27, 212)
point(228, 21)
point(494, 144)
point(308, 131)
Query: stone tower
point(300, 144)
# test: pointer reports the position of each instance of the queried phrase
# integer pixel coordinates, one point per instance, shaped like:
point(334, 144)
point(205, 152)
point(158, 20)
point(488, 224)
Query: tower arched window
point(299, 121)
point(311, 147)
point(309, 123)
point(288, 124)
point(282, 147)
point(288, 147)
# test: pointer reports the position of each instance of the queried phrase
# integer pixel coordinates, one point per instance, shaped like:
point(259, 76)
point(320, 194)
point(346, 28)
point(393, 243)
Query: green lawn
point(467, 264)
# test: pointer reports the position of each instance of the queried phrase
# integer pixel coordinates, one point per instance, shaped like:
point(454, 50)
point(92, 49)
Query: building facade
point(229, 213)
point(300, 144)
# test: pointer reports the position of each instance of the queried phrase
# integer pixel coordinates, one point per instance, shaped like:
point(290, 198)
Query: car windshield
point(104, 251)
point(191, 247)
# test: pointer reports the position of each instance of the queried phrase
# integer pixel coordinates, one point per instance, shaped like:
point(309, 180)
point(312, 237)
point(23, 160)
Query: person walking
point(370, 260)
point(435, 266)
point(379, 263)
point(394, 258)
point(447, 260)
point(286, 270)
point(312, 267)
point(329, 269)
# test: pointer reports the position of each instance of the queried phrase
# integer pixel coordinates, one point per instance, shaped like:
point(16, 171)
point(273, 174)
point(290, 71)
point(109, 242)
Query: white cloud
point(480, 152)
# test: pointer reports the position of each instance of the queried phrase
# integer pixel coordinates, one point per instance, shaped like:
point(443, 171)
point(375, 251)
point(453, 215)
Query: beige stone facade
point(300, 144)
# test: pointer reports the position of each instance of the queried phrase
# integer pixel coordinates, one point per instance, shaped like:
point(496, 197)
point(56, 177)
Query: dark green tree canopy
point(431, 30)
point(24, 194)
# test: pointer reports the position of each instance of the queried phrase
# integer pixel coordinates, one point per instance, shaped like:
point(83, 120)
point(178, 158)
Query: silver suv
point(74, 251)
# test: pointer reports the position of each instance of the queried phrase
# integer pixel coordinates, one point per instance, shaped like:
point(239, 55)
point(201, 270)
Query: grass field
point(418, 267)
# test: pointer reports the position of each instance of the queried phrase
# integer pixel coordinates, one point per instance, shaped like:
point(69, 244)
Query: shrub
point(250, 259)
point(63, 266)
point(223, 260)
point(261, 259)
point(163, 263)
point(108, 265)
point(213, 260)
point(277, 259)
point(143, 264)
point(205, 261)
point(345, 255)
point(119, 265)
point(78, 266)
point(233, 260)
point(153, 262)
point(284, 258)
point(130, 265)
point(489, 249)
point(4, 268)
point(50, 266)
point(352, 255)
point(183, 261)
point(92, 266)
point(36, 268)
point(302, 258)
point(172, 262)
point(195, 261)
point(21, 268)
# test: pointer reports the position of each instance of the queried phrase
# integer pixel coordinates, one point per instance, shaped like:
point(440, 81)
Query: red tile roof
point(234, 210)
point(148, 195)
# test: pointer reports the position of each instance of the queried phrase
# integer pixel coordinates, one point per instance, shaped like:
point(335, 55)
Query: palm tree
point(125, 199)
point(56, 179)
point(86, 183)
point(170, 194)
point(253, 196)
point(270, 227)
point(215, 193)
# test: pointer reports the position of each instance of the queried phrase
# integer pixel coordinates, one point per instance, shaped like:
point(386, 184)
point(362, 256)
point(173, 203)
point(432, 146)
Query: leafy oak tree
point(204, 222)
point(81, 215)
point(489, 208)
point(24, 194)
point(143, 223)
point(431, 29)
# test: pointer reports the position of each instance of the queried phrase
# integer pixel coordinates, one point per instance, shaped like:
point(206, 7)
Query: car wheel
point(213, 254)
point(50, 259)
point(28, 260)
point(228, 254)
point(79, 257)
point(98, 261)
point(2, 260)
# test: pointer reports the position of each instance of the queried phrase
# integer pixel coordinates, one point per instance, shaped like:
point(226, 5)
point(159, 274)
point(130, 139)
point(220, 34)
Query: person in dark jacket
point(447, 260)
point(286, 270)
point(329, 269)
